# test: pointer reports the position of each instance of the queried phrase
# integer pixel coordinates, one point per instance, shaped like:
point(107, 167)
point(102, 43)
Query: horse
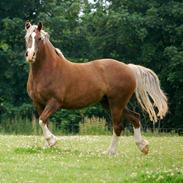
point(55, 83)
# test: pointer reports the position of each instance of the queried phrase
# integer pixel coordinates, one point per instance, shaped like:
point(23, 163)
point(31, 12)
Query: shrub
point(93, 126)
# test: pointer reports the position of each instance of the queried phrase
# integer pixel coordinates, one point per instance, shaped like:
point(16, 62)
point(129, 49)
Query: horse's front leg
point(51, 107)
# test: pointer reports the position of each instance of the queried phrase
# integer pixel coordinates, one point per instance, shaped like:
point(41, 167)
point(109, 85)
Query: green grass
point(80, 159)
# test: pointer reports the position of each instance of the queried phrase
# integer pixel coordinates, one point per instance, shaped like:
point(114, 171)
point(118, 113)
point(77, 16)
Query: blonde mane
point(59, 53)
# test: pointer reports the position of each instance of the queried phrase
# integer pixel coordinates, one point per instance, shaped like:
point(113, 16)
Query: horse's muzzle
point(30, 56)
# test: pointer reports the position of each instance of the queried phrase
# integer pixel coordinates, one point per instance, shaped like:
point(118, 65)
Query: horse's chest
point(37, 92)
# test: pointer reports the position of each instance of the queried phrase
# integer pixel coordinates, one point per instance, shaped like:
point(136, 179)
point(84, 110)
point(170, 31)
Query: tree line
point(147, 33)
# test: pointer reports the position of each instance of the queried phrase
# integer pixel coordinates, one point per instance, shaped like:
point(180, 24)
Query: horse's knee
point(117, 129)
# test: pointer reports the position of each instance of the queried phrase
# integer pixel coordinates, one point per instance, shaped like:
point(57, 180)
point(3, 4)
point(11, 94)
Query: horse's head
point(34, 38)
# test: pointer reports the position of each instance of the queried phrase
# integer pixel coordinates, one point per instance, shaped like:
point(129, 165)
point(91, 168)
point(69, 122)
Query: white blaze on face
point(31, 51)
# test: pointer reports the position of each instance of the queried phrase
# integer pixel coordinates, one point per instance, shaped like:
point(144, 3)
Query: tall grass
point(93, 126)
point(25, 126)
point(17, 125)
point(89, 126)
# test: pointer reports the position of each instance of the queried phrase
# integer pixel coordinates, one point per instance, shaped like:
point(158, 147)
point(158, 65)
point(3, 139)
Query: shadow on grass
point(60, 151)
point(40, 150)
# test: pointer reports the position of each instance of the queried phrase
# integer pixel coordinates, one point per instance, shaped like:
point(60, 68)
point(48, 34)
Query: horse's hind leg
point(134, 118)
point(117, 128)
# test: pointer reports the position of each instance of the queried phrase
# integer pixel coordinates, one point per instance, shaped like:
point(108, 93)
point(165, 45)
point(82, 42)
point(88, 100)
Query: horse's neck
point(46, 60)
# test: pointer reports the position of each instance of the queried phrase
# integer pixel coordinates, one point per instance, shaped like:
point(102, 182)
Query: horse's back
point(118, 77)
point(103, 71)
point(115, 71)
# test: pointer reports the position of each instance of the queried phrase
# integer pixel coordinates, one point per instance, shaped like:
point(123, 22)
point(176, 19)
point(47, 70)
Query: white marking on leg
point(140, 142)
point(137, 135)
point(49, 137)
point(47, 134)
point(113, 147)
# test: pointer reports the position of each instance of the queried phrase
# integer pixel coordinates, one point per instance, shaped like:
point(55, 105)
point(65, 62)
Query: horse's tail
point(148, 92)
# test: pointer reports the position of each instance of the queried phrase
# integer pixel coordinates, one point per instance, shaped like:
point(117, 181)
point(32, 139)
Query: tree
point(142, 32)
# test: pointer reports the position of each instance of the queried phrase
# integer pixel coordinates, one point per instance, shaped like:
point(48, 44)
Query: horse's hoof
point(111, 152)
point(143, 146)
point(145, 150)
point(51, 141)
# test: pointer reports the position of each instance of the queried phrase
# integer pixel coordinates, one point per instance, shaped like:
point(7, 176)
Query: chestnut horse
point(54, 83)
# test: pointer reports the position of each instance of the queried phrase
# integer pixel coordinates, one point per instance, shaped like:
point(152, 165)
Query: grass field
point(80, 159)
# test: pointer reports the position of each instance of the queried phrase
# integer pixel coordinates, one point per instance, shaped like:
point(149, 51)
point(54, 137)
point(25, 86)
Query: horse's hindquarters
point(121, 82)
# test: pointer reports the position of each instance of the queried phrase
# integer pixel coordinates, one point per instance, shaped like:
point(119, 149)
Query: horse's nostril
point(34, 54)
point(26, 54)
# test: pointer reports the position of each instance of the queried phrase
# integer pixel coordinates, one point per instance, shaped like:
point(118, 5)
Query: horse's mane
point(59, 53)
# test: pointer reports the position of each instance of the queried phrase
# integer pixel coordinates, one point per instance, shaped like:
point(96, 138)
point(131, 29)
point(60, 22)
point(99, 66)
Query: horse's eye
point(39, 39)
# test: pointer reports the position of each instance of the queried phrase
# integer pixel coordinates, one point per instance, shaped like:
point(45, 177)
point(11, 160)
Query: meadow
point(82, 159)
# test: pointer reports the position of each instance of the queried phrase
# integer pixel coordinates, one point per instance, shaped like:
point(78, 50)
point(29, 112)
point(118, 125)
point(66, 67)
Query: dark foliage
point(142, 32)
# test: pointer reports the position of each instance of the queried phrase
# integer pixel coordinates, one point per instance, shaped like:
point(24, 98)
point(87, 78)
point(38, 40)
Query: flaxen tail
point(148, 92)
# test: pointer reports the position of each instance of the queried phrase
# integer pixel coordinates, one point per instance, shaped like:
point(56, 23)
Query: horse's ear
point(40, 26)
point(27, 24)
